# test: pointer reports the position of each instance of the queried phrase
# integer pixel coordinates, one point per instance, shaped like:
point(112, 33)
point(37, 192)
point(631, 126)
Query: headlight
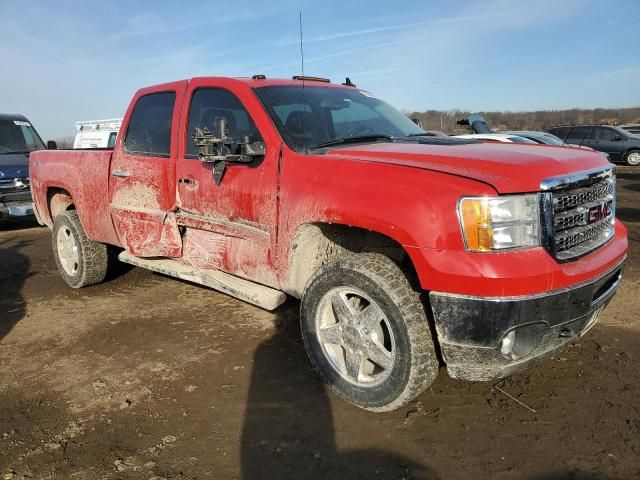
point(499, 223)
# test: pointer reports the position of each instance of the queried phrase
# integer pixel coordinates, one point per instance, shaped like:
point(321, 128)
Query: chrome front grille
point(580, 196)
point(12, 185)
point(579, 214)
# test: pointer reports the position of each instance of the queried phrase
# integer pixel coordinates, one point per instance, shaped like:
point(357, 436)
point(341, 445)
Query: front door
point(142, 175)
point(230, 226)
point(609, 141)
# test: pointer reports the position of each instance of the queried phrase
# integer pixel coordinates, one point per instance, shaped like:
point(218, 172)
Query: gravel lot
point(148, 377)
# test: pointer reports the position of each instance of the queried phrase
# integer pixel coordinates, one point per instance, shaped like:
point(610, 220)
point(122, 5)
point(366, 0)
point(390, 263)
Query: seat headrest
point(298, 122)
point(210, 116)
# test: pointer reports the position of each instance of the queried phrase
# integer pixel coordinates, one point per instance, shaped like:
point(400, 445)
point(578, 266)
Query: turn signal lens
point(499, 223)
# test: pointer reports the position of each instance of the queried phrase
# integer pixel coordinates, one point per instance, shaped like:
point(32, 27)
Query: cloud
point(389, 28)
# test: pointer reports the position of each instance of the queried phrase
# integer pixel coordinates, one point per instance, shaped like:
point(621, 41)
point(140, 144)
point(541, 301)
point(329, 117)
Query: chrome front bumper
point(15, 209)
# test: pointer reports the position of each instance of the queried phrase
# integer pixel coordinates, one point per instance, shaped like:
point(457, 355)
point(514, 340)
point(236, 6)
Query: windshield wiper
point(360, 138)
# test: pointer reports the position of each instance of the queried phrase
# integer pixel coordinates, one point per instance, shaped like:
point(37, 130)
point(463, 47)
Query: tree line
point(445, 121)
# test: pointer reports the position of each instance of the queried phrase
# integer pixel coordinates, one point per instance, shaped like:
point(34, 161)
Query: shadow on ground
point(289, 432)
point(569, 475)
point(14, 270)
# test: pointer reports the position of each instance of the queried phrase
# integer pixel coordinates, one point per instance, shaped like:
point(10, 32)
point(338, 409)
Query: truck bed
point(84, 175)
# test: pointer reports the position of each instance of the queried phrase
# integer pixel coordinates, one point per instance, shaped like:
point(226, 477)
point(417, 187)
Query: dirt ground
point(146, 377)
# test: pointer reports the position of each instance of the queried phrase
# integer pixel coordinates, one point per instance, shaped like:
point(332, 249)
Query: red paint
point(245, 226)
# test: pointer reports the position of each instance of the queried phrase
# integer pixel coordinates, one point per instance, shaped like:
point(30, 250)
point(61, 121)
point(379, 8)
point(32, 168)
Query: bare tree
point(539, 120)
point(65, 142)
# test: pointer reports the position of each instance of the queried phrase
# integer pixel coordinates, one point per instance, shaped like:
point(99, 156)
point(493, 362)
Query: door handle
point(120, 173)
point(188, 181)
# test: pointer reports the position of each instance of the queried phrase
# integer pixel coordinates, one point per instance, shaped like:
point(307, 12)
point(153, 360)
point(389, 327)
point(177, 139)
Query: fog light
point(508, 341)
point(521, 341)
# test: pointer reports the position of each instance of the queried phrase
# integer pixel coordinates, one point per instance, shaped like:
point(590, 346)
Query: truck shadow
point(20, 223)
point(13, 274)
point(628, 215)
point(288, 427)
point(570, 475)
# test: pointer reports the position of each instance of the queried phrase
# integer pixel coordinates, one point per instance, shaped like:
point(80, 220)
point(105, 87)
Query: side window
point(558, 132)
point(578, 133)
point(149, 131)
point(112, 140)
point(605, 134)
point(208, 104)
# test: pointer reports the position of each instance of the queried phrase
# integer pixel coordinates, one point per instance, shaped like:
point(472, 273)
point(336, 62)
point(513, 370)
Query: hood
point(14, 165)
point(507, 167)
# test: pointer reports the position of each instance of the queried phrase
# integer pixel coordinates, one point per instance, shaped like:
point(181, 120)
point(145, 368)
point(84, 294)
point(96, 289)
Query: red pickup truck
point(407, 250)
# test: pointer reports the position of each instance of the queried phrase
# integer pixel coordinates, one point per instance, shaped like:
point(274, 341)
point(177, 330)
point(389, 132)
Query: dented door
point(142, 176)
point(229, 226)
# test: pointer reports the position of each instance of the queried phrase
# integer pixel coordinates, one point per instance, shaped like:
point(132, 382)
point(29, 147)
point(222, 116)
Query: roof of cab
point(12, 116)
point(264, 82)
point(249, 82)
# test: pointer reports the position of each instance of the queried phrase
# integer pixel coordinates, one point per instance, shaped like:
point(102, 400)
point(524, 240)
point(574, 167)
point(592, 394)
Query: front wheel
point(81, 261)
point(366, 332)
point(632, 158)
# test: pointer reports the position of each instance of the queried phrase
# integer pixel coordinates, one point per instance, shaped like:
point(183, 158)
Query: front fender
point(413, 206)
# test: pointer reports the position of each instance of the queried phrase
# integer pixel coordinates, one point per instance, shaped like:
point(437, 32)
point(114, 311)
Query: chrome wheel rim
point(355, 336)
point(68, 250)
point(634, 158)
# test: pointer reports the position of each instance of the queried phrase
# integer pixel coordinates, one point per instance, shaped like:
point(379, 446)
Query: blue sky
point(67, 61)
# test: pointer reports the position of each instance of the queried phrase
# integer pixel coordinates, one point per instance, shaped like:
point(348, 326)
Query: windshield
point(312, 116)
point(18, 136)
point(550, 139)
point(520, 140)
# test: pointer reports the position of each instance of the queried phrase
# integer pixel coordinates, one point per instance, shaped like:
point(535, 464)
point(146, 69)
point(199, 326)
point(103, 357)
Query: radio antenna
point(304, 97)
point(301, 50)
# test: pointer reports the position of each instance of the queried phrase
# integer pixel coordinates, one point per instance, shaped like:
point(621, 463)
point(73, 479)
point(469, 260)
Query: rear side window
point(558, 132)
point(208, 104)
point(579, 133)
point(149, 131)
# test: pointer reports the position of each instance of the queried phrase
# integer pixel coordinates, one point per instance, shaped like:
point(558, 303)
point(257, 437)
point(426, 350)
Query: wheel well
point(58, 201)
point(315, 244)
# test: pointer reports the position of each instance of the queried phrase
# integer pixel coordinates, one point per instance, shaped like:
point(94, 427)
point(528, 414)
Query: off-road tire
point(416, 366)
point(631, 158)
point(92, 256)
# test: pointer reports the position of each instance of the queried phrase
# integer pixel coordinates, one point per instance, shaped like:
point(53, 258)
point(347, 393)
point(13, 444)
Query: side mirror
point(249, 148)
point(52, 145)
point(219, 148)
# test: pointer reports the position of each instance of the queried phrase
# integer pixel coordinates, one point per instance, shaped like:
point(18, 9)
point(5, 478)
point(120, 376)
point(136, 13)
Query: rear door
point(230, 226)
point(142, 183)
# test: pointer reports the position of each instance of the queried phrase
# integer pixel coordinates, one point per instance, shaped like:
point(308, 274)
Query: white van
point(97, 133)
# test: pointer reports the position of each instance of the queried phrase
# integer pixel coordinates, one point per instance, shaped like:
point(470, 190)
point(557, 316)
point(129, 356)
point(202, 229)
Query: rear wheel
point(366, 332)
point(81, 261)
point(632, 157)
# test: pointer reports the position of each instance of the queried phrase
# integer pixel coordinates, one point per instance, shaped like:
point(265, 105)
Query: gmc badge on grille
point(599, 212)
